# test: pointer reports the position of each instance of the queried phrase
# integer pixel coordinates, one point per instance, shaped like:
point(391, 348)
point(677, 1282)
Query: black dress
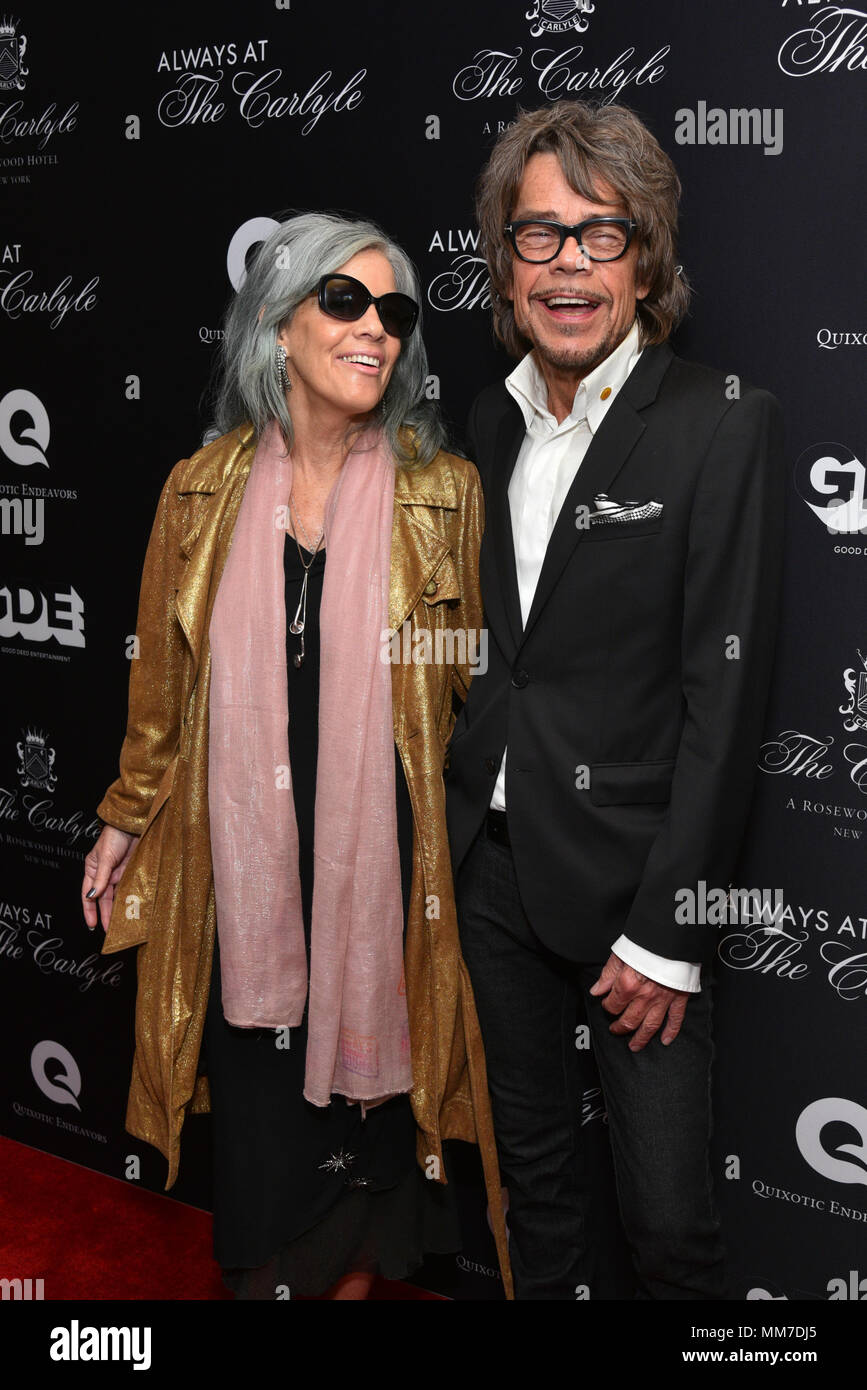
point(304, 1194)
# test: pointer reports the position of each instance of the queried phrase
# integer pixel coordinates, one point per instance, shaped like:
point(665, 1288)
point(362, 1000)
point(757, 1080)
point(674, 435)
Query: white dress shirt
point(549, 458)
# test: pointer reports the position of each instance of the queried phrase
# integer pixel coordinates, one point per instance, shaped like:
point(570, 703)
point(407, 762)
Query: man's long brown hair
point(595, 145)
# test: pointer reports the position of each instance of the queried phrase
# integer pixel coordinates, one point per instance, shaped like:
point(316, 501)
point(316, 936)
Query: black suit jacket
point(646, 659)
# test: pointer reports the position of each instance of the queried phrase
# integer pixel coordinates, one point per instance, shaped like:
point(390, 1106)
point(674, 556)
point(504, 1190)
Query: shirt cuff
point(675, 974)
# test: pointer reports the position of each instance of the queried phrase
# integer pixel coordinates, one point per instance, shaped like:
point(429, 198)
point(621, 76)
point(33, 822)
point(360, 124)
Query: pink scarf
point(358, 1033)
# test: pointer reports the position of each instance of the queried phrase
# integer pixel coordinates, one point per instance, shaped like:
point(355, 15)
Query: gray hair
point(286, 269)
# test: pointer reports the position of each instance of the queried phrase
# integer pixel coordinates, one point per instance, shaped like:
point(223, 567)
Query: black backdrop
point(136, 147)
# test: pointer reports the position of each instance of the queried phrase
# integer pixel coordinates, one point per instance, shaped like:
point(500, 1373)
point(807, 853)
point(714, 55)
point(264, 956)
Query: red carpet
point(89, 1236)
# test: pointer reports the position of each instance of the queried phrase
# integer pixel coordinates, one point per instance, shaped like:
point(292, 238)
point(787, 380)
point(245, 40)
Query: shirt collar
point(593, 397)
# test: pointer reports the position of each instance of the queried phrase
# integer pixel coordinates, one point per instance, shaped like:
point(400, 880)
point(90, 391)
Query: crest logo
point(855, 712)
point(35, 761)
point(12, 50)
point(559, 16)
point(798, 754)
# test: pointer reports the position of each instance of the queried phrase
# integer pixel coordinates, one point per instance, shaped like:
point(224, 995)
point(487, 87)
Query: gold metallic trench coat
point(164, 902)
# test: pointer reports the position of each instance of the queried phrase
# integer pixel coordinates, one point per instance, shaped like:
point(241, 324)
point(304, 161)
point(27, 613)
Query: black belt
point(497, 827)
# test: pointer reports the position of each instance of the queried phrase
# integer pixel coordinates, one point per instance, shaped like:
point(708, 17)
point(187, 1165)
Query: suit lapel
point(609, 449)
point(499, 573)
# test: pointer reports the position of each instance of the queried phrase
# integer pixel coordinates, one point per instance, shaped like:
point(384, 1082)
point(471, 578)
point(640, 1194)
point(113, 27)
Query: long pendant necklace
point(299, 622)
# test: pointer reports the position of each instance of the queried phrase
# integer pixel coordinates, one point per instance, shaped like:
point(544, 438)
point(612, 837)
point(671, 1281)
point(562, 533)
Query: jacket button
point(432, 587)
point(520, 679)
point(491, 765)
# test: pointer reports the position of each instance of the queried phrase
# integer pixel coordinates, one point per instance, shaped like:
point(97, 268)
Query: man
point(604, 763)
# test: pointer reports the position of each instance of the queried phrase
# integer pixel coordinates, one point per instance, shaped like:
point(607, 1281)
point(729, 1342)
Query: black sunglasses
point(345, 298)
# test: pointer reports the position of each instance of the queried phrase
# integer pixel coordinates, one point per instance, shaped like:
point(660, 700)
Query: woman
point(275, 844)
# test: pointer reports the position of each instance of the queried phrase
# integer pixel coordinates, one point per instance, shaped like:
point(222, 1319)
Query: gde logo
point(64, 1084)
point(830, 479)
point(38, 428)
point(809, 1136)
point(249, 234)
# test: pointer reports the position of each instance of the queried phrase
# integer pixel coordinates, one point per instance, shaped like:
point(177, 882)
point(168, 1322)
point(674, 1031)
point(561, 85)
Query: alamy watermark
point(458, 646)
point(24, 1290)
point(719, 907)
point(737, 126)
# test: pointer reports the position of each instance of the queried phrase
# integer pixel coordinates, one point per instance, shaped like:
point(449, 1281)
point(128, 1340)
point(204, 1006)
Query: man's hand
point(641, 1003)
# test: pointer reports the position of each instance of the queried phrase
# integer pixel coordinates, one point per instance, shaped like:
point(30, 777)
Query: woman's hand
point(103, 866)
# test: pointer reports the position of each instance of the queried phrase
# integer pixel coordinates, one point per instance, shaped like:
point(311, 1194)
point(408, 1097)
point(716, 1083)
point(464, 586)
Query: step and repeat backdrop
point(144, 154)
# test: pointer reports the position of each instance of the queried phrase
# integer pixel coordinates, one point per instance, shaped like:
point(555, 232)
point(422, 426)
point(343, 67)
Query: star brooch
point(338, 1163)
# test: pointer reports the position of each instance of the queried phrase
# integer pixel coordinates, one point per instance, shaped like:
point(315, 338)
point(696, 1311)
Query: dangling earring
point(280, 358)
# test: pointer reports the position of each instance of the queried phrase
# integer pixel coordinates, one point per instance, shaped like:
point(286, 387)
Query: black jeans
point(658, 1102)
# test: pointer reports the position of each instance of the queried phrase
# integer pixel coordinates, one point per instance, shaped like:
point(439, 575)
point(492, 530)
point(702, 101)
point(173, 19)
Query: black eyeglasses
point(599, 238)
point(345, 298)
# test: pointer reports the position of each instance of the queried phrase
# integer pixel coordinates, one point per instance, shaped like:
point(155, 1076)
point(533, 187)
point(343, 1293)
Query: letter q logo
point(38, 428)
point(249, 234)
point(808, 1133)
point(65, 1085)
